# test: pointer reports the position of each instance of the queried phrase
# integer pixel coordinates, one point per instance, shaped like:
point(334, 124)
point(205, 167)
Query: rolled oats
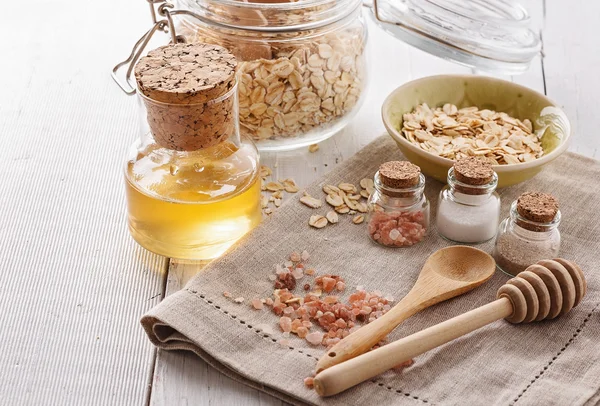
point(359, 218)
point(332, 217)
point(455, 133)
point(291, 88)
point(317, 221)
point(311, 202)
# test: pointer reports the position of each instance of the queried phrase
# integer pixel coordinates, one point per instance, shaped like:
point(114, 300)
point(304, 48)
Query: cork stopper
point(473, 170)
point(180, 83)
point(537, 207)
point(399, 174)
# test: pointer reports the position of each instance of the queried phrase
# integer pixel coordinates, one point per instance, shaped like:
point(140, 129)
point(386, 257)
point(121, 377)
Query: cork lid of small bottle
point(537, 207)
point(399, 174)
point(473, 171)
point(185, 88)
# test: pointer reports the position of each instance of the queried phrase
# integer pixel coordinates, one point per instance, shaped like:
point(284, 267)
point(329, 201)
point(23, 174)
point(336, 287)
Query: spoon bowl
point(447, 273)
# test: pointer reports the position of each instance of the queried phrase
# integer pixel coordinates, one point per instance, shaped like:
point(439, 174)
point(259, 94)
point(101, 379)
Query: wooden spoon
point(447, 273)
point(543, 291)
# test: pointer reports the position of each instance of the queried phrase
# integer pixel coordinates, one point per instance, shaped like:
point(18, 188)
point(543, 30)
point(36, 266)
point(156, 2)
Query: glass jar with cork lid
point(529, 234)
point(192, 182)
point(398, 210)
point(468, 206)
point(302, 71)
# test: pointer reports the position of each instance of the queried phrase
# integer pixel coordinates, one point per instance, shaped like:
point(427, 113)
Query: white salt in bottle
point(469, 207)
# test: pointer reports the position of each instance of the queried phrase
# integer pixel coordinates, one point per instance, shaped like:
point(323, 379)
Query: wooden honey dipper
point(544, 290)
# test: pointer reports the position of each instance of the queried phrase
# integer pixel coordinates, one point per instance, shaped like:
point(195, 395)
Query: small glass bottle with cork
point(398, 211)
point(192, 183)
point(468, 206)
point(529, 234)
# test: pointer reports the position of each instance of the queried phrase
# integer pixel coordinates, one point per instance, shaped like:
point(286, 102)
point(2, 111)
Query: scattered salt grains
point(304, 256)
point(314, 338)
point(239, 299)
point(227, 294)
point(285, 323)
point(309, 382)
point(295, 257)
point(257, 304)
point(298, 273)
point(265, 328)
point(284, 343)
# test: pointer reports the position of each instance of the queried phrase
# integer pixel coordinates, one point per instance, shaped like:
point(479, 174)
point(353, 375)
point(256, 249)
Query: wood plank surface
point(74, 284)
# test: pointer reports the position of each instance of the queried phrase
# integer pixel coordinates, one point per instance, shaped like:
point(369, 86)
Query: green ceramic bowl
point(549, 121)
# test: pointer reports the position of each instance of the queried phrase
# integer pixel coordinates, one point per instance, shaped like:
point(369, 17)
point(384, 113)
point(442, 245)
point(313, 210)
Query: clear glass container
point(492, 35)
point(468, 213)
point(191, 204)
point(521, 242)
point(302, 65)
point(398, 217)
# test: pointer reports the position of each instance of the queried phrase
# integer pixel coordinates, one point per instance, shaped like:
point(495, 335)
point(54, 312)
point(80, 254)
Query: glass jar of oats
point(301, 75)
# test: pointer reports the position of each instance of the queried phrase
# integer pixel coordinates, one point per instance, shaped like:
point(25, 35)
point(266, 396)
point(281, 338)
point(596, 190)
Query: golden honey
point(192, 204)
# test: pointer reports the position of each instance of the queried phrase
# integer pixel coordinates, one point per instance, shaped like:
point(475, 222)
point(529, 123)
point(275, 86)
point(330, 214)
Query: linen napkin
point(549, 362)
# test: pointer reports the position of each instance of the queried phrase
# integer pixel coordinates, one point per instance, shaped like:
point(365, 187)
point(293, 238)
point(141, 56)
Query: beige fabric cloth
point(547, 363)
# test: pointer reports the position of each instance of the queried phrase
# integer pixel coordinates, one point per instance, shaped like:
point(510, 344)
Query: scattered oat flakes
point(334, 200)
point(343, 209)
point(313, 148)
point(330, 189)
point(264, 201)
point(274, 186)
point(317, 221)
point(359, 218)
point(290, 186)
point(332, 217)
point(311, 202)
point(265, 171)
point(347, 187)
point(268, 211)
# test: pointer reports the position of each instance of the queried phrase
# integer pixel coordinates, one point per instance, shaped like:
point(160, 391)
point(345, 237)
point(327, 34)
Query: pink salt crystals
point(397, 229)
point(257, 304)
point(299, 313)
point(309, 381)
point(399, 210)
point(285, 323)
point(314, 338)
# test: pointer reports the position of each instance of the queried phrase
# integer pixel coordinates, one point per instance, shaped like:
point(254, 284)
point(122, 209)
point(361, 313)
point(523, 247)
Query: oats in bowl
point(455, 133)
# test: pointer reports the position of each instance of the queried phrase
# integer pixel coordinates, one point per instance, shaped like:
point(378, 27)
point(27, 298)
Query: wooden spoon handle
point(363, 339)
point(340, 377)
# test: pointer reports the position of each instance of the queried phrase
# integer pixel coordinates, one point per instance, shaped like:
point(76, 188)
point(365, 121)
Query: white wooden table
point(73, 284)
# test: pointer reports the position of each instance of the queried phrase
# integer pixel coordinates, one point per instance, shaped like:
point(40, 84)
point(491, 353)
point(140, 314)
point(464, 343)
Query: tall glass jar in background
point(529, 234)
point(302, 71)
point(192, 182)
point(398, 210)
